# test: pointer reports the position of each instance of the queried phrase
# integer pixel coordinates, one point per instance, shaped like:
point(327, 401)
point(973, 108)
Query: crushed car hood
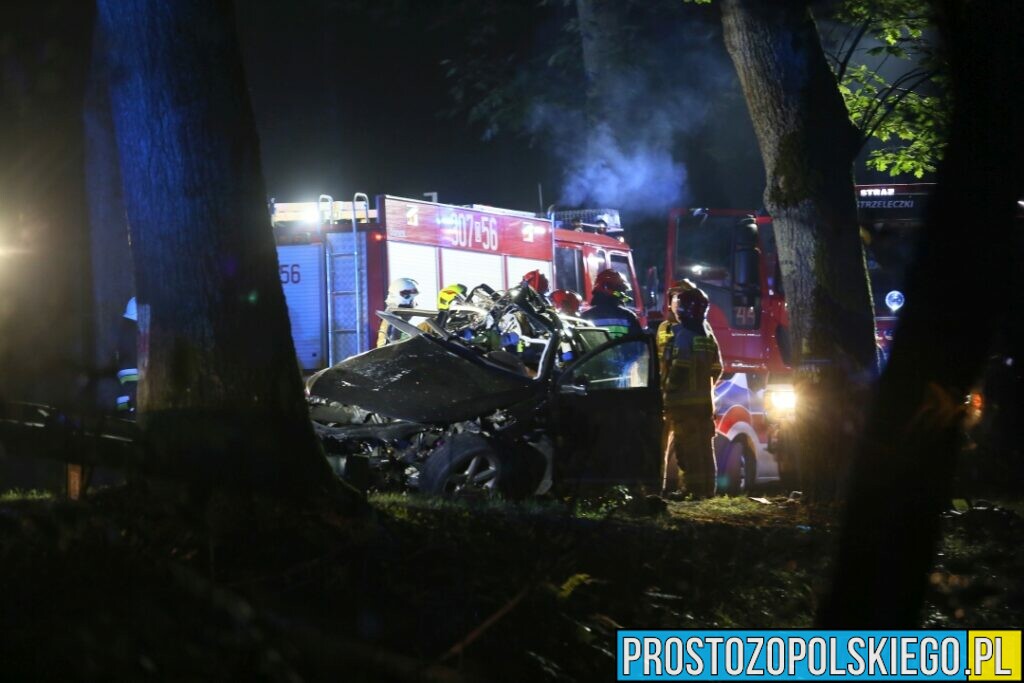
point(422, 380)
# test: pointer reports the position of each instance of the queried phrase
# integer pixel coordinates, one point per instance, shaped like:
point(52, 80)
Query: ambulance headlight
point(780, 401)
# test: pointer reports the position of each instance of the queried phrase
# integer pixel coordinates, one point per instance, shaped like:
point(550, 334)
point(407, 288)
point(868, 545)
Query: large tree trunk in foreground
point(111, 258)
point(808, 145)
point(220, 401)
point(960, 293)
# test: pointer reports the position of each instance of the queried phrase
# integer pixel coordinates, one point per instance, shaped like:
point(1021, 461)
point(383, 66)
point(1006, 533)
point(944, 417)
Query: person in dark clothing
point(607, 305)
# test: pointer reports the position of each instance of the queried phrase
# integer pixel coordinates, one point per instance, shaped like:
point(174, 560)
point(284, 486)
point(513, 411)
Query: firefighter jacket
point(387, 333)
point(606, 311)
point(690, 364)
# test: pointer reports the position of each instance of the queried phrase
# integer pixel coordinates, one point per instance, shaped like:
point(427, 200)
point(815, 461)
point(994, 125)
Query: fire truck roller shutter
point(472, 268)
point(517, 267)
point(301, 270)
point(342, 290)
point(419, 263)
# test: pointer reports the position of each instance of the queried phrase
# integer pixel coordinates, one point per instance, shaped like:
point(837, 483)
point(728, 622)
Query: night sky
point(351, 100)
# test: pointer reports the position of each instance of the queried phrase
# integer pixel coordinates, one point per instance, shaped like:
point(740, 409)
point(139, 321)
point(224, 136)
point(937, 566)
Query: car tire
point(740, 471)
point(493, 469)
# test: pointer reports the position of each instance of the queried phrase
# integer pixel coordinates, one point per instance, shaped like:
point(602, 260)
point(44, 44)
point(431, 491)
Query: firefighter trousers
point(689, 447)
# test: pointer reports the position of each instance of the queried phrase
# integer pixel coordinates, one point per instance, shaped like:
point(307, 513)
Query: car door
point(607, 416)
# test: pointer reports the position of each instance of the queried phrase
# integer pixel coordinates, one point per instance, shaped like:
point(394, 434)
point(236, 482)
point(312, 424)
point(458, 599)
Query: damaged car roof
point(423, 379)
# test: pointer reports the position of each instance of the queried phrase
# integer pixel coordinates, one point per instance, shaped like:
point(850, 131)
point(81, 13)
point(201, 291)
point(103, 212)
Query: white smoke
point(626, 155)
point(638, 175)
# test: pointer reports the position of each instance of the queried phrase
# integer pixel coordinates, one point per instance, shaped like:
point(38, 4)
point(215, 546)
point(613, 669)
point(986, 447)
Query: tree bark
point(111, 259)
point(903, 474)
point(220, 402)
point(808, 147)
point(600, 39)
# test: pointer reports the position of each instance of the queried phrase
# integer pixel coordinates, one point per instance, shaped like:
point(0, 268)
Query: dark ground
point(124, 587)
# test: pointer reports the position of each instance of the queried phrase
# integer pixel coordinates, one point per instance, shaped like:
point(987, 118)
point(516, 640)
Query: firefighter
point(607, 305)
point(402, 293)
point(452, 294)
point(566, 301)
point(127, 358)
point(690, 366)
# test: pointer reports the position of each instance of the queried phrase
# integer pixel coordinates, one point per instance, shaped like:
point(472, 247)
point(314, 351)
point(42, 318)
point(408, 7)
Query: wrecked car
point(500, 396)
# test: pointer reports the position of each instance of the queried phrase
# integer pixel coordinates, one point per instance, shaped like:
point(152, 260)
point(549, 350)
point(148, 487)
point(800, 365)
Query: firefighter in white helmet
point(127, 358)
point(402, 293)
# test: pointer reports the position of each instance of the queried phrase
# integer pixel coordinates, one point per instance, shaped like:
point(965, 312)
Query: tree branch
point(841, 71)
point(883, 95)
point(904, 92)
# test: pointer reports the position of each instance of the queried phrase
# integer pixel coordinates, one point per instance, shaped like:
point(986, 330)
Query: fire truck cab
point(336, 259)
point(735, 261)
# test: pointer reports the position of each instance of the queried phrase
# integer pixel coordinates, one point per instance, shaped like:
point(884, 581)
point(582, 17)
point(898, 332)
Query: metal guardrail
point(39, 431)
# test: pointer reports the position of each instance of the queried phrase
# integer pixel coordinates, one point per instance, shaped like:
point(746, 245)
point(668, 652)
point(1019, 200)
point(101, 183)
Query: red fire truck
point(736, 263)
point(336, 259)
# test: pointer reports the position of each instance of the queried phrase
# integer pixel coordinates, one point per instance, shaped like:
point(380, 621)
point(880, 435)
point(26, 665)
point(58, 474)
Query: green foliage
point(907, 115)
point(14, 495)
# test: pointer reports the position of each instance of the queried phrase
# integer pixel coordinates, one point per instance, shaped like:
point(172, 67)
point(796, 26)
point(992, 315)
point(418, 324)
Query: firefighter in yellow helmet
point(452, 294)
point(690, 366)
point(402, 293)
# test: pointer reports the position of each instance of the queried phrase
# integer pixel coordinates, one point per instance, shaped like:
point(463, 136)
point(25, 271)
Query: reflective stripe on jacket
point(607, 312)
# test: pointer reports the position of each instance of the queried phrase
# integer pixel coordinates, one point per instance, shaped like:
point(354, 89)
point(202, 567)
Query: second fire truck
point(736, 262)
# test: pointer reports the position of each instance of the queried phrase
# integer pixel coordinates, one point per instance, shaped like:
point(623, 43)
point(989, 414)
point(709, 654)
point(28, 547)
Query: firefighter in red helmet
point(566, 301)
point(607, 309)
point(690, 366)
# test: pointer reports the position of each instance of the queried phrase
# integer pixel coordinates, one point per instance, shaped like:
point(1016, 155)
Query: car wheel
point(469, 465)
point(740, 469)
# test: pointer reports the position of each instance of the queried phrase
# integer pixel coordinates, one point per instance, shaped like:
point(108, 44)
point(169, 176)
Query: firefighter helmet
point(690, 304)
point(566, 301)
point(402, 293)
point(612, 283)
point(131, 311)
point(680, 286)
point(537, 280)
point(452, 294)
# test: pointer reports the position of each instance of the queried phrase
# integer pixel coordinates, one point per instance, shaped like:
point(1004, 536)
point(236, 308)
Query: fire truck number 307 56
point(468, 230)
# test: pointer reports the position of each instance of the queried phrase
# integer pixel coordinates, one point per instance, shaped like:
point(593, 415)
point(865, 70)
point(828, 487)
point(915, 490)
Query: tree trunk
point(110, 254)
point(220, 402)
point(808, 146)
point(600, 40)
point(903, 472)
point(606, 124)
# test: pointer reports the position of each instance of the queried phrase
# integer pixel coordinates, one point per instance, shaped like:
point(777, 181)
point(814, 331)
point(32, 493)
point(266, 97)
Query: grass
point(551, 583)
point(15, 495)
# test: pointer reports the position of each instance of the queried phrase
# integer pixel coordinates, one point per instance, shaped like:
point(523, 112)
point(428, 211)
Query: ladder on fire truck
point(344, 308)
